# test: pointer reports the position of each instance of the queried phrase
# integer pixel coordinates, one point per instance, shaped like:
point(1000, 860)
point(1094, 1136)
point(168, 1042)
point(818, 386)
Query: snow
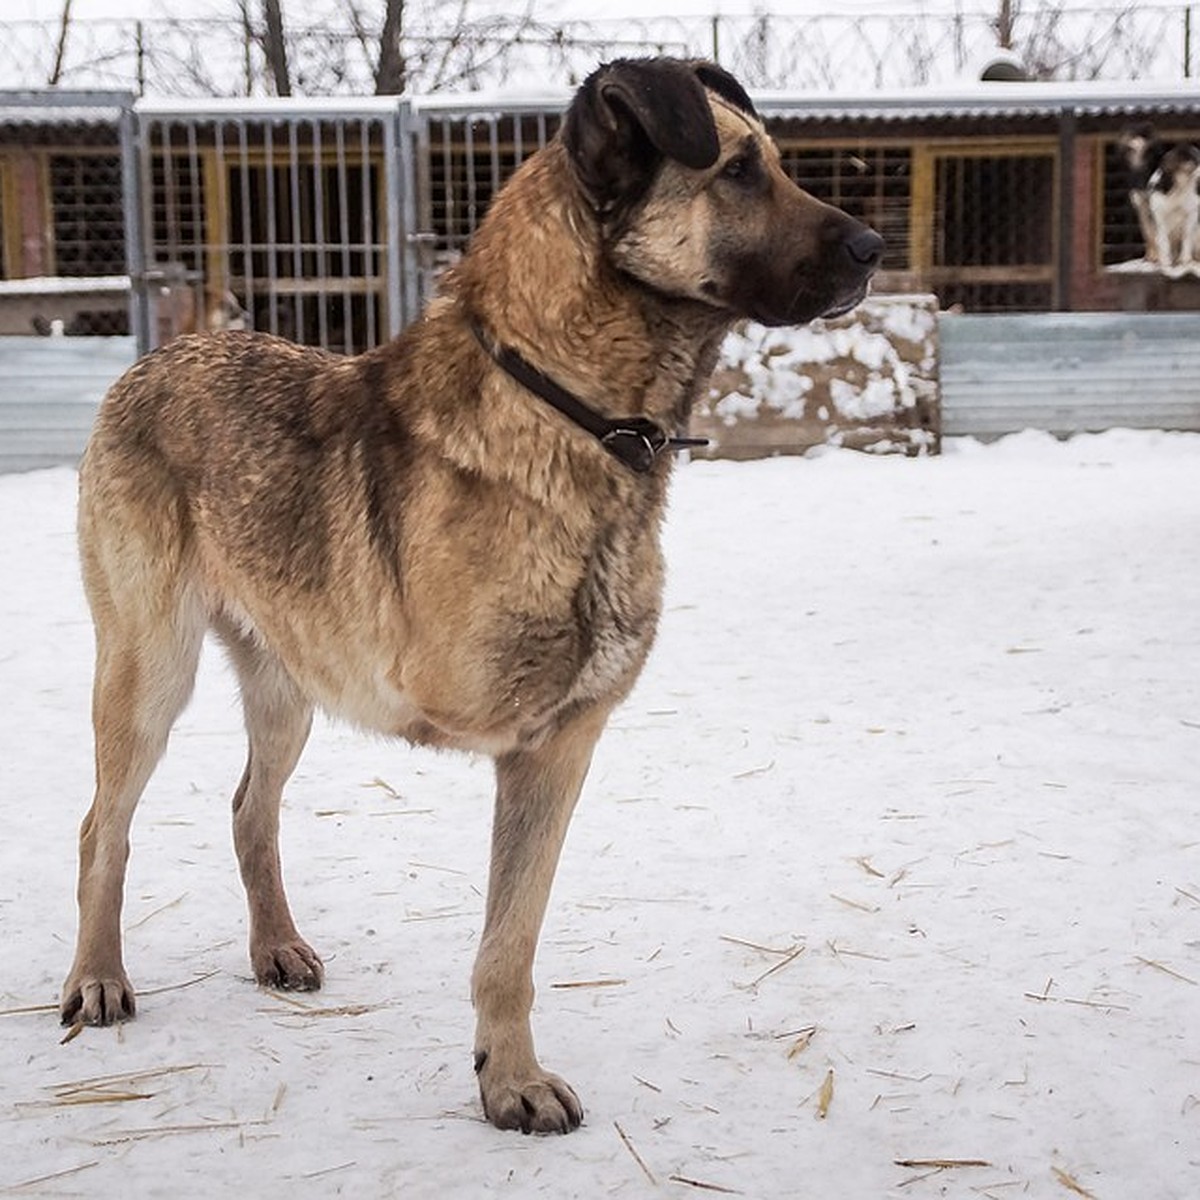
point(57, 285)
point(922, 734)
point(869, 371)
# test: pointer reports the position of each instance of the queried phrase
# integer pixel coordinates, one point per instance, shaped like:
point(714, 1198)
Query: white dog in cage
point(1164, 189)
point(1173, 197)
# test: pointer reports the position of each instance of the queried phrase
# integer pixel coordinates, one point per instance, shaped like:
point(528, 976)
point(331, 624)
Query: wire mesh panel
point(993, 230)
point(277, 223)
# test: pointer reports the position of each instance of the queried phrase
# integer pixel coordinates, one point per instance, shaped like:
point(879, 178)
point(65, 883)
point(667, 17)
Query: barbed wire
point(181, 57)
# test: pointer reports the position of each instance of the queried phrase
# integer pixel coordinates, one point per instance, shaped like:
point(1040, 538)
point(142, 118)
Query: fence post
point(134, 173)
point(403, 266)
point(1065, 266)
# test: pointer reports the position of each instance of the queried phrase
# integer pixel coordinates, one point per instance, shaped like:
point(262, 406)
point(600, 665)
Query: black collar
point(635, 441)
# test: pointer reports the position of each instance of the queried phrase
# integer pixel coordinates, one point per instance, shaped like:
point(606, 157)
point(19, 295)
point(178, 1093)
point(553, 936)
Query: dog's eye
point(737, 168)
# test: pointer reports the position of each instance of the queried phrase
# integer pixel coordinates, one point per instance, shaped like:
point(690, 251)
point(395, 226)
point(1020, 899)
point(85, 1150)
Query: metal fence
point(323, 222)
point(329, 221)
point(287, 220)
point(1069, 372)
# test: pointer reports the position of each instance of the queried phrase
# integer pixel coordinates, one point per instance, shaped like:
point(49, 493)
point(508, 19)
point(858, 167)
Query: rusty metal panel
point(1069, 372)
point(53, 386)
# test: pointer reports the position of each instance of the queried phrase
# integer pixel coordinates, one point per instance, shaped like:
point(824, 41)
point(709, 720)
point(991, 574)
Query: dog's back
point(267, 481)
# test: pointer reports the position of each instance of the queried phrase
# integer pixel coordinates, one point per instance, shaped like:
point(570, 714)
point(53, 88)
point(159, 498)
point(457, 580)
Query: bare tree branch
point(61, 51)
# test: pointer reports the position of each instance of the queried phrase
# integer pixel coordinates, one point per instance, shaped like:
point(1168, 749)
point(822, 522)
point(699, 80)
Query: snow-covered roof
point(988, 99)
point(969, 99)
point(266, 107)
point(55, 107)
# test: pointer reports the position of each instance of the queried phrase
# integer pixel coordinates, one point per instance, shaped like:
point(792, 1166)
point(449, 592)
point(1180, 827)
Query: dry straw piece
point(825, 1096)
point(941, 1164)
point(1071, 1184)
point(706, 1187)
point(637, 1158)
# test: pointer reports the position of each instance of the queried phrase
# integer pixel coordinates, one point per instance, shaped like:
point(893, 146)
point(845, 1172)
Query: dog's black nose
point(866, 248)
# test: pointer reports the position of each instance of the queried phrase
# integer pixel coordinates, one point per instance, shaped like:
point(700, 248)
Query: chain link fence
point(836, 51)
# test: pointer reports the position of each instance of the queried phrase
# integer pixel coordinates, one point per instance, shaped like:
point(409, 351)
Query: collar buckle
point(636, 441)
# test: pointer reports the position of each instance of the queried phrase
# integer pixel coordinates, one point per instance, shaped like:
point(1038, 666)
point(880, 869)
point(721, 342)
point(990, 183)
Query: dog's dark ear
point(627, 117)
point(718, 80)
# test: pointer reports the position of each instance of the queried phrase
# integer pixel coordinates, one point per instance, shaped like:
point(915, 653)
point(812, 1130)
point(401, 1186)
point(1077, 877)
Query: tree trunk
point(275, 48)
point(1006, 22)
point(391, 75)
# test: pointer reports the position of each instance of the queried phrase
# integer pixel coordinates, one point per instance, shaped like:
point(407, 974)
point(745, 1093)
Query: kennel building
point(330, 220)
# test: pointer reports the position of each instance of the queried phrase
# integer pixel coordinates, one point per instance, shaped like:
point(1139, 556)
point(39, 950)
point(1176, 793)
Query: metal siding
point(52, 388)
point(1069, 372)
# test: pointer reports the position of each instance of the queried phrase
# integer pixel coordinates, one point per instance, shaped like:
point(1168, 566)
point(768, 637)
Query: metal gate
point(322, 222)
point(291, 219)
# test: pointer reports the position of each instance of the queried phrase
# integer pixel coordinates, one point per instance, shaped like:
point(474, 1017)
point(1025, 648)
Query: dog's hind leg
point(535, 796)
point(149, 628)
point(278, 719)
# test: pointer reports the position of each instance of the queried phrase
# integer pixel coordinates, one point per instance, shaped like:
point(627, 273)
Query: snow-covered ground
point(891, 865)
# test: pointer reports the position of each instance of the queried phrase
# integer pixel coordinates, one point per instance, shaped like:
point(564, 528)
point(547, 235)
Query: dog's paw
point(538, 1103)
point(97, 1001)
point(291, 966)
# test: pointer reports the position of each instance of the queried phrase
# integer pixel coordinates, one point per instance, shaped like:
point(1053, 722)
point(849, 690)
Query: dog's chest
point(1178, 203)
point(616, 609)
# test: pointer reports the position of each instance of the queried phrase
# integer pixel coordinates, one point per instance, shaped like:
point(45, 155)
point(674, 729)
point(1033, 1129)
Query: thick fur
point(411, 540)
point(1164, 189)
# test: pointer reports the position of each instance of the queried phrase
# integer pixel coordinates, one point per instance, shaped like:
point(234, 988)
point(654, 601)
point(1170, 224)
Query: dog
point(452, 538)
point(1164, 189)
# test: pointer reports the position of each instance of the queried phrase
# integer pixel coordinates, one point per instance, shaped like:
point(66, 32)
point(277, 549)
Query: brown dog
point(417, 540)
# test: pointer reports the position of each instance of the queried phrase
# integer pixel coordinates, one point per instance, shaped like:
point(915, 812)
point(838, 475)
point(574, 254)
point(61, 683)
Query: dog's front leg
point(536, 790)
point(1146, 223)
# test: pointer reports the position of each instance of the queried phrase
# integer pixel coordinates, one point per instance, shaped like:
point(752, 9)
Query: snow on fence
point(867, 381)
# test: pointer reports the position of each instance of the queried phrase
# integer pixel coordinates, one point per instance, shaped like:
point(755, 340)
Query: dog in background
point(453, 538)
point(1164, 189)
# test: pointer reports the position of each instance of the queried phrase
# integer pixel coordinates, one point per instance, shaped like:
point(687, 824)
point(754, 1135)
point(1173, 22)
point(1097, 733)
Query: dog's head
point(1177, 170)
point(1140, 151)
point(693, 201)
